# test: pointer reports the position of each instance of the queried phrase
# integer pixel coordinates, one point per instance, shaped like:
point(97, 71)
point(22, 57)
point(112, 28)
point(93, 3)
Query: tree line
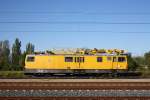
point(13, 58)
point(139, 62)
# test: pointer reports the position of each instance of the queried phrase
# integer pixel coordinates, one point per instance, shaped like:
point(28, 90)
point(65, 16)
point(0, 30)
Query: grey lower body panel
point(47, 71)
point(70, 71)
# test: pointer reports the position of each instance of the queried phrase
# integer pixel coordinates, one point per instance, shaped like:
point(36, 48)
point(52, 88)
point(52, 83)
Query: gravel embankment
point(43, 93)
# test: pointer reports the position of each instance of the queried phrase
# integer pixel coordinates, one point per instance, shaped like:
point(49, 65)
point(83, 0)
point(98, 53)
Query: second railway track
point(74, 89)
point(75, 85)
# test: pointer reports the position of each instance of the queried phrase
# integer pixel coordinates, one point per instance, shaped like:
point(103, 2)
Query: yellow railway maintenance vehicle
point(78, 62)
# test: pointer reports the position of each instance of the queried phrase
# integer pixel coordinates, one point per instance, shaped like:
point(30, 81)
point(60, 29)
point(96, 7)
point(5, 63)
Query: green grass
point(145, 73)
point(20, 74)
point(12, 74)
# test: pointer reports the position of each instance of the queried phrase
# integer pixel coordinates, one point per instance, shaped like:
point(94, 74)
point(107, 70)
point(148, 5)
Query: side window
point(68, 59)
point(30, 59)
point(121, 59)
point(99, 59)
point(109, 59)
point(114, 59)
point(81, 59)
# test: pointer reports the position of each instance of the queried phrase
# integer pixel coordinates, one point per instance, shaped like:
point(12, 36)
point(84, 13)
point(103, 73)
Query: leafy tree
point(29, 48)
point(16, 55)
point(140, 60)
point(147, 59)
point(132, 65)
point(22, 61)
point(1, 55)
point(4, 55)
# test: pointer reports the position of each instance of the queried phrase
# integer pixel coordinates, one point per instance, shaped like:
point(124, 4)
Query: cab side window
point(68, 59)
point(121, 59)
point(99, 59)
point(30, 59)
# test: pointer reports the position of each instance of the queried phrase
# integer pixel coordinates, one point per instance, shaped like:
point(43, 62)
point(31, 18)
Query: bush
point(12, 74)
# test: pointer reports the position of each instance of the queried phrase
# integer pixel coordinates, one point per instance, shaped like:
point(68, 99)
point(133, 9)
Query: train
point(96, 61)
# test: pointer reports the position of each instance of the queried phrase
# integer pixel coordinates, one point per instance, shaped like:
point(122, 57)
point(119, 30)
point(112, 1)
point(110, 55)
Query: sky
point(122, 24)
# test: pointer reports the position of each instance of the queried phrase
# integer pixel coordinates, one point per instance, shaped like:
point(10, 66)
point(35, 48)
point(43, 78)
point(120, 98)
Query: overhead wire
point(75, 12)
point(75, 31)
point(74, 22)
point(71, 22)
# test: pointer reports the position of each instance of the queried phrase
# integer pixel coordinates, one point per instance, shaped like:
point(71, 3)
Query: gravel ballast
point(45, 93)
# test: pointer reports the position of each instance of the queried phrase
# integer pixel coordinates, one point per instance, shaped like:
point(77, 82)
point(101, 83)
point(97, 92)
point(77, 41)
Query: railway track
point(74, 89)
point(74, 85)
point(75, 98)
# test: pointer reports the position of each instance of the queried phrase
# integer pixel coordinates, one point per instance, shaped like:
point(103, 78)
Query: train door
point(122, 62)
point(79, 60)
point(76, 60)
point(115, 63)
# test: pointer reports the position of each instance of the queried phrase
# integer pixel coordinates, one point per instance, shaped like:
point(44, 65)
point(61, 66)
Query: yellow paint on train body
point(47, 61)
